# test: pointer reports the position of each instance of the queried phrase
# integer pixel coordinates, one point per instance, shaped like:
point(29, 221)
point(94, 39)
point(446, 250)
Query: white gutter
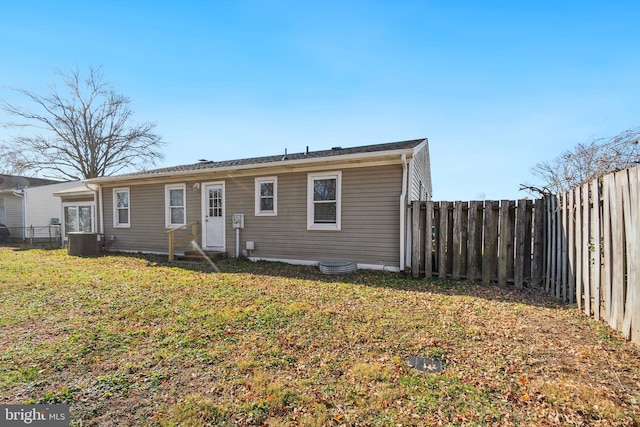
point(101, 221)
point(403, 212)
point(97, 201)
point(23, 196)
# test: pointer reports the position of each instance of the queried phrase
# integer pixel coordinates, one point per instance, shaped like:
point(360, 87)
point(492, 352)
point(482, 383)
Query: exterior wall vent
point(337, 267)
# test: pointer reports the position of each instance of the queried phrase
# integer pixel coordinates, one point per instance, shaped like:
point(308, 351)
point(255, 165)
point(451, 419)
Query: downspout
point(97, 200)
point(403, 212)
point(20, 193)
point(101, 221)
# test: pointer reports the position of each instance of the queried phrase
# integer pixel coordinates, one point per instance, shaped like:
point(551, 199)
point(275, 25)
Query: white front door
point(213, 216)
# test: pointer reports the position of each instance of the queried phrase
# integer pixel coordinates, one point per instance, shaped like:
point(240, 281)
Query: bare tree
point(83, 131)
point(587, 161)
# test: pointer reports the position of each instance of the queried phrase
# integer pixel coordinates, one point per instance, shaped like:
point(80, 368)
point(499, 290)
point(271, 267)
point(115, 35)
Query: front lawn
point(129, 340)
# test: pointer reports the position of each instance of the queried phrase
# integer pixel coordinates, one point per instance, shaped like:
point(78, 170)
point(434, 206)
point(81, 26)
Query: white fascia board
point(394, 156)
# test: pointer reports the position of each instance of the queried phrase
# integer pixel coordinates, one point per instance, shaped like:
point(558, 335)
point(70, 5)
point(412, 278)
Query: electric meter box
point(237, 220)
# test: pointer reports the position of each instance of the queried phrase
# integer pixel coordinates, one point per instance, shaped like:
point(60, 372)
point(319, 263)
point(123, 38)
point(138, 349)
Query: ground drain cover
point(425, 364)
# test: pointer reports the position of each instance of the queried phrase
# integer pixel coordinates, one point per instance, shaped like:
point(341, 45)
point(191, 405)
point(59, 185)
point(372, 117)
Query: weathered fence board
point(537, 263)
point(577, 256)
point(605, 314)
point(490, 241)
point(595, 260)
point(428, 240)
point(490, 233)
point(586, 287)
point(474, 247)
point(603, 249)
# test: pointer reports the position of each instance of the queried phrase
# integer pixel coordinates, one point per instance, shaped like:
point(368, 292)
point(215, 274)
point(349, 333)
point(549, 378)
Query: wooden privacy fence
point(594, 241)
point(493, 241)
point(582, 246)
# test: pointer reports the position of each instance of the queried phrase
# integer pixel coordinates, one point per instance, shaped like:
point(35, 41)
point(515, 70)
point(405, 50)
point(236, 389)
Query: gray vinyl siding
point(147, 231)
point(370, 231)
point(370, 219)
point(421, 174)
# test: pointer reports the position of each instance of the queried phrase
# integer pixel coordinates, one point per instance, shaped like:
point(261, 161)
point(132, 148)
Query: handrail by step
point(173, 242)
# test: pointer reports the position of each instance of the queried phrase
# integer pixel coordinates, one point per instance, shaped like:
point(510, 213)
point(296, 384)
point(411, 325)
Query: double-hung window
point(121, 208)
point(266, 196)
point(175, 203)
point(324, 201)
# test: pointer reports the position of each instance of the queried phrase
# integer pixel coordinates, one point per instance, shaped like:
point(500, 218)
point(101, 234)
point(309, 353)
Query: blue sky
point(496, 86)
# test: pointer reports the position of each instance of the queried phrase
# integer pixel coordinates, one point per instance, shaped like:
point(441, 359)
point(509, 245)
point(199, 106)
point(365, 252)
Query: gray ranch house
point(341, 204)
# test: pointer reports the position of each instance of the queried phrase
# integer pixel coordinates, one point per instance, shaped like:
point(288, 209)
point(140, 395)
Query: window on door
point(215, 202)
point(78, 218)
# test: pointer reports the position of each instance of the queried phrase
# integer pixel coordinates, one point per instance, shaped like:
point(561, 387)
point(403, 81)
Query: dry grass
point(131, 341)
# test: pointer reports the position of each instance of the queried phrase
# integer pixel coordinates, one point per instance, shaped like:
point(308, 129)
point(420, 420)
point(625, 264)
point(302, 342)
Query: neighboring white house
point(41, 210)
point(12, 202)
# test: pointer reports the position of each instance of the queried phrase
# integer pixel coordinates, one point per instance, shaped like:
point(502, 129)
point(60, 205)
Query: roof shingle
point(337, 151)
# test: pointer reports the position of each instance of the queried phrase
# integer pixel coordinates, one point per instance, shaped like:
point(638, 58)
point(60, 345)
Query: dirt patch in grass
point(130, 340)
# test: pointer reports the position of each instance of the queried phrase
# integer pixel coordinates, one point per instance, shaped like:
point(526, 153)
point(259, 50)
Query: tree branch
point(85, 131)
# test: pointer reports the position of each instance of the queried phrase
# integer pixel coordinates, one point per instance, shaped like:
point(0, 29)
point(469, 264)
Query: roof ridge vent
point(336, 148)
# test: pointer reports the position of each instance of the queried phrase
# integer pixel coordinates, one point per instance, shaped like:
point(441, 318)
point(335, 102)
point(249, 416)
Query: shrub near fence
point(492, 241)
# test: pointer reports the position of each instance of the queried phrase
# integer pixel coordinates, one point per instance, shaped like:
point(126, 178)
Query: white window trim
point(63, 222)
point(116, 224)
point(167, 208)
point(311, 177)
point(262, 180)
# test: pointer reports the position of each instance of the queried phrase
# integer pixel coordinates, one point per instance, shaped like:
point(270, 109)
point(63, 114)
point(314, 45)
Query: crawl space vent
point(337, 267)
